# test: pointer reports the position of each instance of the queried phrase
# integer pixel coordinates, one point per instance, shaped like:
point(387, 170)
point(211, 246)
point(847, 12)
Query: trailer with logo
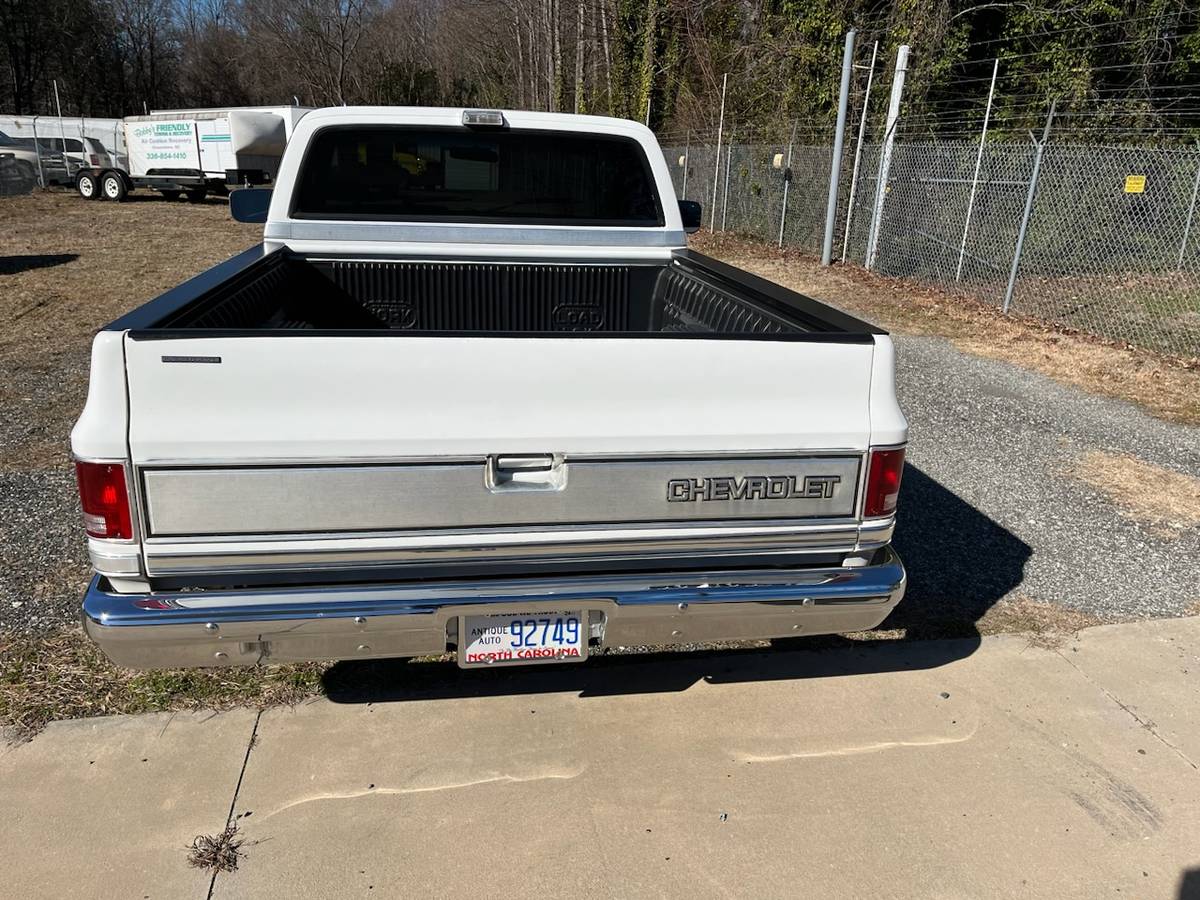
point(192, 152)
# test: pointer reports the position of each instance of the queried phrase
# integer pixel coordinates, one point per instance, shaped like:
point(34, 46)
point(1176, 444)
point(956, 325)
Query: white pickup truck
point(473, 393)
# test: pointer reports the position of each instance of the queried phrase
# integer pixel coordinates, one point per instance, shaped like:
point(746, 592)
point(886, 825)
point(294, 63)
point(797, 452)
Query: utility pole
point(885, 156)
point(839, 138)
point(862, 128)
point(712, 226)
point(1039, 150)
point(987, 115)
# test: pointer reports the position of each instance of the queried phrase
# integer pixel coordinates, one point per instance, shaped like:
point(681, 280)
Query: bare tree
point(316, 42)
point(578, 56)
point(147, 35)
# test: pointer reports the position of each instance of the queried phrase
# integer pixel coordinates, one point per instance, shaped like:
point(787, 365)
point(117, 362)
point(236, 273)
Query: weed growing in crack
point(218, 853)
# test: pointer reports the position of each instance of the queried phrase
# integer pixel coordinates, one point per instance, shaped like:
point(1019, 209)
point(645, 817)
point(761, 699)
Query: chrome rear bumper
point(244, 627)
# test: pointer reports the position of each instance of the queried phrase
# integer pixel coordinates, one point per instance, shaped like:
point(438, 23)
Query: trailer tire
point(170, 195)
point(85, 183)
point(197, 195)
point(112, 186)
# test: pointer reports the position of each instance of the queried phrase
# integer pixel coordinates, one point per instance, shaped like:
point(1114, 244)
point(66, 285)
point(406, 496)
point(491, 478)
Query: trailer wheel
point(170, 195)
point(197, 195)
point(85, 183)
point(112, 185)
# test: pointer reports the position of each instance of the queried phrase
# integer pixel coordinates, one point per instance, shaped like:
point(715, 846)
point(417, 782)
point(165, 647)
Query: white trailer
point(191, 152)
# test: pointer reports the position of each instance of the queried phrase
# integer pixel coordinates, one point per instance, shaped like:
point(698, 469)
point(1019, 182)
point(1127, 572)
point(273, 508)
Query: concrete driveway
point(960, 768)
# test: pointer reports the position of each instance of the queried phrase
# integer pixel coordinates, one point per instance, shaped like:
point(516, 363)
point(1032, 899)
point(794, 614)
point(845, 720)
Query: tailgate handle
point(542, 472)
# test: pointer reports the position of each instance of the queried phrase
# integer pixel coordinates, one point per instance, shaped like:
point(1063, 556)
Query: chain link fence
point(1112, 245)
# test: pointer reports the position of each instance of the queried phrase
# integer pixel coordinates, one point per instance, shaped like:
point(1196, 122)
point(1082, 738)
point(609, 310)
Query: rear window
point(451, 175)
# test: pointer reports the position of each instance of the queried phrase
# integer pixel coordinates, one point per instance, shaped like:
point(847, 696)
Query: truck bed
point(689, 295)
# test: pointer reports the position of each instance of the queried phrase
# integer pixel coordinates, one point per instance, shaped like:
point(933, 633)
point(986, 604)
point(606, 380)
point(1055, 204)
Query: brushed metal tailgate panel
point(318, 499)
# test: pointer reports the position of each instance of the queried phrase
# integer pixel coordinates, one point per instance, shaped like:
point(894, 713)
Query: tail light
point(104, 499)
point(883, 482)
point(95, 160)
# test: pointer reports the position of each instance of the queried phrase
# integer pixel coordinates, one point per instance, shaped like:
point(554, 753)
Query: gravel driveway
point(989, 508)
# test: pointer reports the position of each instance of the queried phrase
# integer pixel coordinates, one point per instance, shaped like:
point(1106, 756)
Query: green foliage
point(1112, 66)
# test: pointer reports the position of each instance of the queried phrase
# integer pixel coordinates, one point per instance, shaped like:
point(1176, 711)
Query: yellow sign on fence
point(1135, 184)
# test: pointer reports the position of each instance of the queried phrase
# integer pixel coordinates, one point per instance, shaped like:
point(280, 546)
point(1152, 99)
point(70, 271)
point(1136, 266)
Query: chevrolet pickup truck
point(474, 394)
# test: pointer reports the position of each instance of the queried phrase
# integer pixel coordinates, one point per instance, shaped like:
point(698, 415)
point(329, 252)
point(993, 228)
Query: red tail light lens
point(883, 482)
point(104, 499)
point(95, 160)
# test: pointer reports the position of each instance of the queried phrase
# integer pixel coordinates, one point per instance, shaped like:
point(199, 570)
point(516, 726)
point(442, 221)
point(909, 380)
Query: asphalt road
point(988, 509)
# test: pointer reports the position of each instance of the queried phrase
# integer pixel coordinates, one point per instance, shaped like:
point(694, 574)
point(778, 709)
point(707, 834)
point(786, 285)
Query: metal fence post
point(62, 131)
point(1187, 226)
point(712, 226)
point(862, 127)
point(1039, 149)
point(37, 149)
point(987, 114)
point(728, 166)
point(787, 183)
point(885, 156)
point(839, 140)
point(687, 146)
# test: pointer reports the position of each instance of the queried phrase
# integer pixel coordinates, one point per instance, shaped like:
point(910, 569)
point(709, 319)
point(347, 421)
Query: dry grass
point(67, 267)
point(1167, 387)
point(65, 676)
point(1045, 624)
point(1166, 501)
point(217, 853)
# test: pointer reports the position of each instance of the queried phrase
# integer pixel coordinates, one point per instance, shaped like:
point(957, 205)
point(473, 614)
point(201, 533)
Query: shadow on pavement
point(382, 681)
point(1189, 885)
point(959, 562)
point(11, 265)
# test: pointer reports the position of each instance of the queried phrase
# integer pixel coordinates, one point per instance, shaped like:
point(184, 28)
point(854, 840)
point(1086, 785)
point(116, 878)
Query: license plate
point(522, 638)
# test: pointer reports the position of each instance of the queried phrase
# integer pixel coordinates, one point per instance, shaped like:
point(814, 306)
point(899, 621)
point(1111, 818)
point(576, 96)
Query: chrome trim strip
point(488, 260)
point(317, 499)
point(874, 533)
point(117, 565)
point(164, 559)
point(198, 462)
point(232, 627)
point(781, 453)
point(516, 533)
point(441, 233)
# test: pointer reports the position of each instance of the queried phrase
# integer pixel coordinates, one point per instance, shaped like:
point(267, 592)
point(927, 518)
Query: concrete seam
point(1149, 726)
point(212, 884)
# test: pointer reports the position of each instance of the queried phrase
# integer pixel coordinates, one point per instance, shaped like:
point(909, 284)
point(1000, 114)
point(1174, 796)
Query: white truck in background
point(190, 152)
point(474, 393)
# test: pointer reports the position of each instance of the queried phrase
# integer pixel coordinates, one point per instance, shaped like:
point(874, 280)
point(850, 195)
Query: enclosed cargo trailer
point(191, 152)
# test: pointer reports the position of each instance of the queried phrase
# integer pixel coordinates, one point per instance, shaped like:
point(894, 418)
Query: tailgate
point(310, 434)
